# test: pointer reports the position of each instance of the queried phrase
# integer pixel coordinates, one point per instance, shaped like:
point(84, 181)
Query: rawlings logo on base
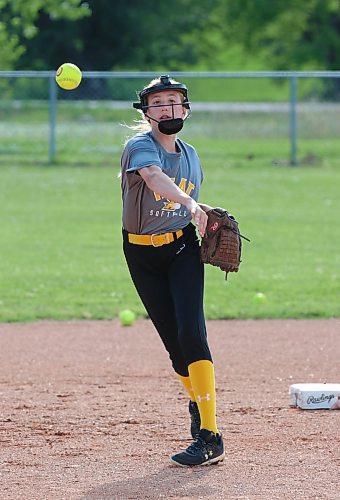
point(214, 226)
point(320, 399)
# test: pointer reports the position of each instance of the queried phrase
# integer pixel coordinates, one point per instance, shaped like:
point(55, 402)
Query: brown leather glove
point(221, 245)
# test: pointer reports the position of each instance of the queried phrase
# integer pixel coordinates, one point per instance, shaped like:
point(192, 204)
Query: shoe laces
point(198, 445)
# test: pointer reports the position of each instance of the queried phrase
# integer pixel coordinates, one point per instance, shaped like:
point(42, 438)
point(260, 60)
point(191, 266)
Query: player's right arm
point(160, 183)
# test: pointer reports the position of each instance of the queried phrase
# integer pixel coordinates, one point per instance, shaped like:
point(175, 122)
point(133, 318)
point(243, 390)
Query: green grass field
point(61, 254)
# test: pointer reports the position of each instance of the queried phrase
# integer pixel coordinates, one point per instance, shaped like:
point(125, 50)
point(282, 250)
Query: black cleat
point(207, 449)
point(195, 419)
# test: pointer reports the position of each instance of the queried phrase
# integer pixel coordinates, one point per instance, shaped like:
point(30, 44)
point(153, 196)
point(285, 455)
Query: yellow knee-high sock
point(202, 378)
point(187, 386)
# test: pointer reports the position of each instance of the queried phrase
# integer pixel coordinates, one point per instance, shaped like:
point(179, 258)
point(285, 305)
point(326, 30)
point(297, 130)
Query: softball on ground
point(127, 317)
point(68, 76)
point(260, 297)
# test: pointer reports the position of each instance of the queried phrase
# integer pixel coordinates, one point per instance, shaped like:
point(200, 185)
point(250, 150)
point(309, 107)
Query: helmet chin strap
point(171, 126)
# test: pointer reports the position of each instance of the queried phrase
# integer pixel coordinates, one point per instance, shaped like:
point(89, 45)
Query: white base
point(315, 396)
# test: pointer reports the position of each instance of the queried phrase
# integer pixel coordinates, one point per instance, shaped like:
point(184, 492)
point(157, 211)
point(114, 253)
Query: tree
point(122, 35)
point(290, 34)
point(18, 23)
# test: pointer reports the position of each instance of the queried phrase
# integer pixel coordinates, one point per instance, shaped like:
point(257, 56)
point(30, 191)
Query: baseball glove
point(221, 245)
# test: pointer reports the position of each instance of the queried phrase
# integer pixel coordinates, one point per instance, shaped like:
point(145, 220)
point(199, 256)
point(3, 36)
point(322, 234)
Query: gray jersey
point(146, 212)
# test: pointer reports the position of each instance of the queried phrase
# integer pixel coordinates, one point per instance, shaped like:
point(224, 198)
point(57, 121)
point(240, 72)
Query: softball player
point(161, 178)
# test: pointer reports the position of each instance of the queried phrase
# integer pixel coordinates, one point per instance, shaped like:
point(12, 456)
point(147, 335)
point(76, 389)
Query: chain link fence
point(287, 112)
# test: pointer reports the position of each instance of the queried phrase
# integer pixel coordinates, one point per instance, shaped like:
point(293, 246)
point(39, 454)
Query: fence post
point(53, 116)
point(293, 120)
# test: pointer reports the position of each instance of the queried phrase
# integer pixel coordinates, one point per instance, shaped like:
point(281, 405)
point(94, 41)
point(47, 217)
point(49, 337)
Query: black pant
point(170, 282)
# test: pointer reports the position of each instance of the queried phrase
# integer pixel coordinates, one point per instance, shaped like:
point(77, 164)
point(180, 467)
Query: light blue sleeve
point(141, 152)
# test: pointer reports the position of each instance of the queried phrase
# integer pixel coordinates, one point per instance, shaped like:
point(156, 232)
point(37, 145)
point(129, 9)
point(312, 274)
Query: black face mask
point(170, 127)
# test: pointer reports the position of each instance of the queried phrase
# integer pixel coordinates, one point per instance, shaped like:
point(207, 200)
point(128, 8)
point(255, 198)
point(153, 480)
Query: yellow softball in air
point(68, 76)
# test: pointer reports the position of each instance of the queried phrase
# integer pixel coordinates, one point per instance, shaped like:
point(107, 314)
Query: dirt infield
point(92, 410)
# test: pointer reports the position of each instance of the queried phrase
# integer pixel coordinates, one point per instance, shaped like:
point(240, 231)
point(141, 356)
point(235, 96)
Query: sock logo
point(206, 397)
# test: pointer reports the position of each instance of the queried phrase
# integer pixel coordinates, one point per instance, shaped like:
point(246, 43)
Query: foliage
point(18, 23)
point(289, 35)
point(148, 35)
point(292, 33)
point(192, 34)
point(134, 34)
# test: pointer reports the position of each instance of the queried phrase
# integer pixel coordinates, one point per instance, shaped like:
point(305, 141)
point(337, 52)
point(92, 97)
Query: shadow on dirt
point(169, 482)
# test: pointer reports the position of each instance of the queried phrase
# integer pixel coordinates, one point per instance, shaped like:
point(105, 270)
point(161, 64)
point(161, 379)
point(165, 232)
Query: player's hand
point(199, 216)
